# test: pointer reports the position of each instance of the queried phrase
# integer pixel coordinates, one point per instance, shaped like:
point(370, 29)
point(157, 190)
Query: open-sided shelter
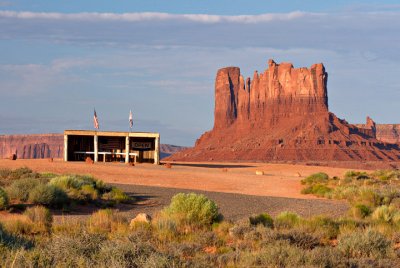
point(109, 146)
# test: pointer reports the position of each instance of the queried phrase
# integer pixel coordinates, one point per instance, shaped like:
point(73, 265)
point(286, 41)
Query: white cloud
point(154, 16)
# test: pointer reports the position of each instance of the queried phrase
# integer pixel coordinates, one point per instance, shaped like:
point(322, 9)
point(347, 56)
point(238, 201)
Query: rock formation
point(32, 146)
point(388, 133)
point(282, 114)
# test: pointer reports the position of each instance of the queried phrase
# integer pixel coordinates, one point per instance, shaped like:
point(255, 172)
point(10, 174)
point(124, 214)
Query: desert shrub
point(326, 257)
point(90, 192)
point(368, 243)
point(385, 175)
point(386, 214)
point(263, 219)
point(360, 211)
point(191, 210)
point(300, 239)
point(277, 254)
point(347, 192)
point(23, 172)
point(116, 196)
point(240, 230)
point(77, 250)
point(166, 229)
point(317, 189)
point(19, 226)
point(369, 197)
point(3, 199)
point(317, 178)
point(40, 216)
point(5, 173)
point(10, 241)
point(286, 219)
point(5, 177)
point(20, 189)
point(44, 194)
point(107, 220)
point(183, 249)
point(124, 253)
point(357, 175)
point(86, 188)
point(322, 226)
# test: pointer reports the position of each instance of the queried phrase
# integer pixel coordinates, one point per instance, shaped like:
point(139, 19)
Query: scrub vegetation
point(190, 232)
point(23, 187)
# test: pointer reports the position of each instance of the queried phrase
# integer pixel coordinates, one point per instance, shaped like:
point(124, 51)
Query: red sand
point(278, 180)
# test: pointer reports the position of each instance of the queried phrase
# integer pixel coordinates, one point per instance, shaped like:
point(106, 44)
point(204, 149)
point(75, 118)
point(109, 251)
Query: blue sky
point(60, 59)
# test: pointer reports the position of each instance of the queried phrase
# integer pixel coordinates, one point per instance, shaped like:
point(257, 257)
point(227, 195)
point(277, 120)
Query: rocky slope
point(50, 146)
point(282, 114)
point(388, 132)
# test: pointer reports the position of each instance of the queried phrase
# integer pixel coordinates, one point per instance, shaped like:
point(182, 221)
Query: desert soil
point(236, 188)
point(280, 180)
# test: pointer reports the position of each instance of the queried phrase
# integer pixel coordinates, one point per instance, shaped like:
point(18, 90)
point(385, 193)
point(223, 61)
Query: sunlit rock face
point(282, 114)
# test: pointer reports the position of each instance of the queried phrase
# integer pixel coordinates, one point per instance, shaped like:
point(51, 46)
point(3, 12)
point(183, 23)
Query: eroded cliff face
point(282, 114)
point(279, 92)
point(32, 146)
point(388, 133)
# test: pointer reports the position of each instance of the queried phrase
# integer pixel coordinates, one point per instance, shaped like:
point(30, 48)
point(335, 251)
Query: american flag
point(130, 119)
point(95, 120)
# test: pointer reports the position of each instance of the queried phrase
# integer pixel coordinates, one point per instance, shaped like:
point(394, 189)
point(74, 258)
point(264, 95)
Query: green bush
point(40, 216)
point(367, 243)
point(317, 178)
point(85, 188)
point(317, 189)
point(90, 192)
point(360, 211)
point(286, 219)
point(44, 194)
point(191, 209)
point(263, 219)
point(116, 196)
point(386, 214)
point(20, 189)
point(357, 175)
point(3, 199)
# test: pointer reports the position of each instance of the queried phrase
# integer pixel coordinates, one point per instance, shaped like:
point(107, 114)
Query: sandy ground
point(279, 180)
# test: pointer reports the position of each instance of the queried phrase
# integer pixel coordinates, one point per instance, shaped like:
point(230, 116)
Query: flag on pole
point(130, 119)
point(95, 120)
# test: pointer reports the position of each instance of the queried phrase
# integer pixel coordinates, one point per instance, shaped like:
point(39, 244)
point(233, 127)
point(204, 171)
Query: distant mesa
point(282, 114)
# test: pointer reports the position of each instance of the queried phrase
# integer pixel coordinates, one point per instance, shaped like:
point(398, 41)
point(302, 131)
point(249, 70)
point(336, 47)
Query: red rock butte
point(282, 114)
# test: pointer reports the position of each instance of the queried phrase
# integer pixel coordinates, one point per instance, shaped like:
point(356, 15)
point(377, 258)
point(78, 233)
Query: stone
point(259, 172)
point(140, 218)
point(282, 114)
point(13, 157)
point(168, 165)
point(89, 160)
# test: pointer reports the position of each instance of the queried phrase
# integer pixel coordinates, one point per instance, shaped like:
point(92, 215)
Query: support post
point(65, 147)
point(127, 149)
point(96, 148)
point(157, 151)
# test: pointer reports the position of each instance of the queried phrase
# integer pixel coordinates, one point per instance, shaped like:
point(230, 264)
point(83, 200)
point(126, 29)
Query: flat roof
point(112, 133)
